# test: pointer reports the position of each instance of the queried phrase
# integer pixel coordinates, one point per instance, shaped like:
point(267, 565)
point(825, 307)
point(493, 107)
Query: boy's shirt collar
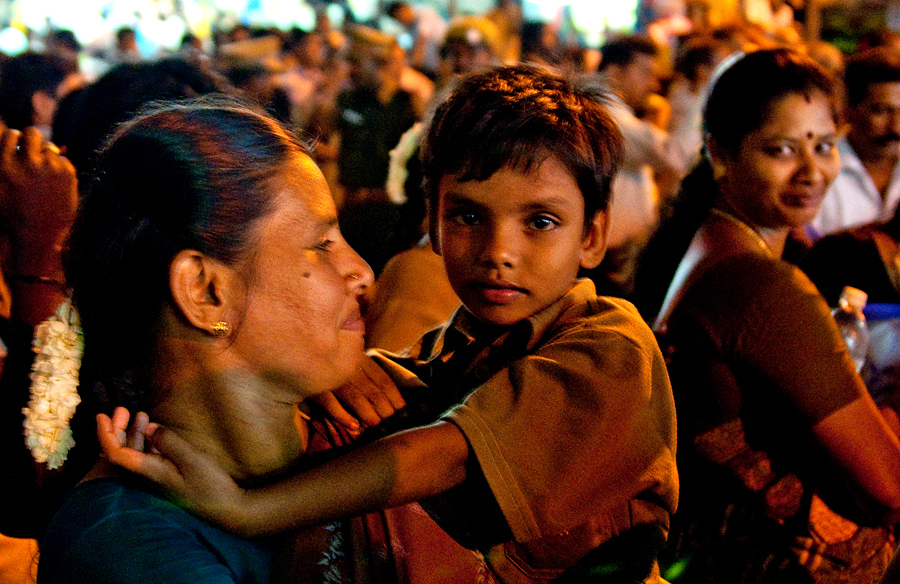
point(462, 356)
point(464, 328)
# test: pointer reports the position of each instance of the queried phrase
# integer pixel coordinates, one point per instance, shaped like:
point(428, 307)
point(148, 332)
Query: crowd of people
point(315, 307)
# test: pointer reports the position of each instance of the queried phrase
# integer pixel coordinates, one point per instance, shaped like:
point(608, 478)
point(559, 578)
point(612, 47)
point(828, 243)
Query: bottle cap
point(855, 297)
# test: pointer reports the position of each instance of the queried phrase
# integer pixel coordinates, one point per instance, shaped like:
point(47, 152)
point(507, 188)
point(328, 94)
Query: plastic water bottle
point(852, 323)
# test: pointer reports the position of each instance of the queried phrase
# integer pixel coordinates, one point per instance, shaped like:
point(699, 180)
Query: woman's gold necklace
point(747, 229)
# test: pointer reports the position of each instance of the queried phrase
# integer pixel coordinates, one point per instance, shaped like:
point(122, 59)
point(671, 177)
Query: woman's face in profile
point(302, 328)
point(783, 169)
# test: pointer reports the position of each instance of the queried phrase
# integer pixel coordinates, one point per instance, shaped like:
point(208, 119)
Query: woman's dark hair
point(740, 102)
point(517, 116)
point(741, 98)
point(193, 175)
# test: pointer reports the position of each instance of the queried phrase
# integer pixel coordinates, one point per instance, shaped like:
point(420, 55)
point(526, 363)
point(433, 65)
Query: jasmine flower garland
point(59, 344)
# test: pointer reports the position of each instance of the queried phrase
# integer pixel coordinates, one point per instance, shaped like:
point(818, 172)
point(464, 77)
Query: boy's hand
point(371, 395)
point(188, 477)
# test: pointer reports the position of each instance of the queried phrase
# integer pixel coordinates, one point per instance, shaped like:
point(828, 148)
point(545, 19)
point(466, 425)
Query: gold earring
point(220, 329)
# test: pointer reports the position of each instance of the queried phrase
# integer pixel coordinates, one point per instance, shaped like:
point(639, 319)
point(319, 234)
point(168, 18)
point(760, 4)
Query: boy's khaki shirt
point(571, 419)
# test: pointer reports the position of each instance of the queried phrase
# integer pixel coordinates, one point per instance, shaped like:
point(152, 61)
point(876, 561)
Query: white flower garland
point(399, 156)
point(59, 344)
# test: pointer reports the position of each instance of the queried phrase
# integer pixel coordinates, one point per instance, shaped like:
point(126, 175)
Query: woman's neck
point(231, 415)
point(768, 239)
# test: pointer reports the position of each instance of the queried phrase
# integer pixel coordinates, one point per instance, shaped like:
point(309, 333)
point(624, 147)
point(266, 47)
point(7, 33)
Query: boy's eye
point(466, 218)
point(542, 223)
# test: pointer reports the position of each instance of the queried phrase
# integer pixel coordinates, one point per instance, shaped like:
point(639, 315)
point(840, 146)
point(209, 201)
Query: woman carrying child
point(553, 447)
point(216, 293)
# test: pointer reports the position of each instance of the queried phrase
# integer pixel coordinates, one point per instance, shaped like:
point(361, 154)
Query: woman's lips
point(811, 198)
point(354, 323)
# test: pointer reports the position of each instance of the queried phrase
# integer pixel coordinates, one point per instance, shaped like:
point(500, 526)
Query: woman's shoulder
point(109, 505)
point(751, 276)
point(114, 531)
point(749, 291)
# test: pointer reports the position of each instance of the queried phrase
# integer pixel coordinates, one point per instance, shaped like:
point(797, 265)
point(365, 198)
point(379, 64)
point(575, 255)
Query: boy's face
point(512, 244)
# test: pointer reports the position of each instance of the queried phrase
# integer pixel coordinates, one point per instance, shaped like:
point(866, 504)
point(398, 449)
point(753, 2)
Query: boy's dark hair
point(878, 65)
point(516, 117)
point(622, 51)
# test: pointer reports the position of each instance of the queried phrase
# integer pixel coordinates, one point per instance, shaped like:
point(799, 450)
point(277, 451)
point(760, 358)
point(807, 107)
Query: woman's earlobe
point(201, 289)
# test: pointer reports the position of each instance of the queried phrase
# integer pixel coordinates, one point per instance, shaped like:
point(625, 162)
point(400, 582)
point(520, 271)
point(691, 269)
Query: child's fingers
point(175, 460)
point(111, 441)
point(382, 385)
point(137, 430)
point(121, 417)
point(337, 411)
point(151, 428)
point(355, 399)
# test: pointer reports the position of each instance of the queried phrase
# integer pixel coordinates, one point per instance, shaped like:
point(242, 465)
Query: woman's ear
point(717, 156)
point(204, 290)
point(593, 246)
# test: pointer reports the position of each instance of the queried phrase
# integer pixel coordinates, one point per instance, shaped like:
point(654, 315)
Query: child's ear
point(203, 289)
point(593, 246)
point(434, 232)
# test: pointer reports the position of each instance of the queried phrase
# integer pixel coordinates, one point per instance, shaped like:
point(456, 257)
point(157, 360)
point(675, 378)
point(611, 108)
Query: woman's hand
point(371, 395)
point(190, 478)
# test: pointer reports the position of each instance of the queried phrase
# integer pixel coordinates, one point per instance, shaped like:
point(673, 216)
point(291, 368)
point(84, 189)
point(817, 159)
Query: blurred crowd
point(352, 92)
point(358, 96)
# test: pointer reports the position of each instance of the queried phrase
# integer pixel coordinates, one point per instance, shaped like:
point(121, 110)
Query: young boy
point(556, 455)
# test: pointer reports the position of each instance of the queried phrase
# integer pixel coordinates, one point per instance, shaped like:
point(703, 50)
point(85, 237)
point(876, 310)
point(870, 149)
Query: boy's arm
point(392, 471)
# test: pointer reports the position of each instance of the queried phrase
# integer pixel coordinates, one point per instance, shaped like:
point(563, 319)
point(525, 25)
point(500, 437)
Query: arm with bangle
point(38, 197)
